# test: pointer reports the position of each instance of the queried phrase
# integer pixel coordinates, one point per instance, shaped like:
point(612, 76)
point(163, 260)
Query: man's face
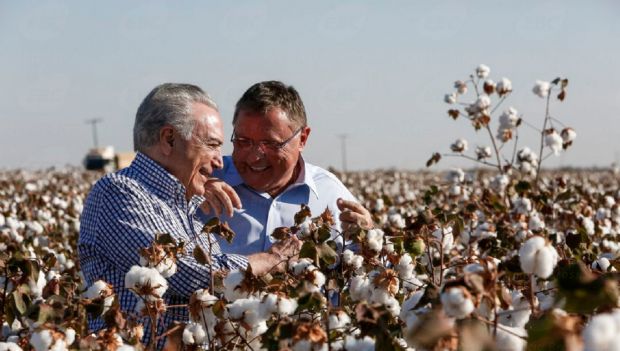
point(195, 159)
point(263, 168)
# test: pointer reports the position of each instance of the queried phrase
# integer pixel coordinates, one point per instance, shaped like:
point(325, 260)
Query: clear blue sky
point(376, 70)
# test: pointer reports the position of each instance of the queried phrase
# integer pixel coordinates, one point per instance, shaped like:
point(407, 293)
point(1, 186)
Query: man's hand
point(287, 248)
point(354, 214)
point(275, 259)
point(220, 197)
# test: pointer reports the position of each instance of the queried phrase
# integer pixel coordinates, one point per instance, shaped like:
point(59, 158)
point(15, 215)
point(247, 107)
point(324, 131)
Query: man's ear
point(303, 137)
point(166, 139)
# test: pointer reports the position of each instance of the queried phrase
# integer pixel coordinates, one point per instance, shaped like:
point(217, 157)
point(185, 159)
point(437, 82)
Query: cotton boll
point(500, 182)
point(450, 98)
point(9, 346)
point(482, 71)
point(537, 257)
point(365, 344)
point(489, 86)
point(305, 228)
point(588, 224)
point(359, 288)
point(554, 141)
point(314, 282)
point(301, 266)
point(519, 314)
point(101, 289)
point(35, 228)
point(485, 230)
point(528, 253)
point(601, 264)
point(455, 190)
point(507, 122)
point(460, 86)
point(444, 235)
point(139, 277)
point(482, 103)
point(610, 201)
point(41, 340)
point(69, 336)
point(483, 152)
point(379, 205)
point(456, 303)
point(396, 220)
point(455, 175)
point(269, 304)
point(405, 266)
point(339, 320)
point(510, 339)
point(272, 303)
point(503, 87)
point(351, 259)
point(194, 333)
point(247, 311)
point(522, 205)
point(541, 88)
point(383, 297)
point(36, 288)
point(286, 306)
point(601, 333)
point(69, 264)
point(568, 135)
point(374, 239)
point(460, 145)
point(536, 223)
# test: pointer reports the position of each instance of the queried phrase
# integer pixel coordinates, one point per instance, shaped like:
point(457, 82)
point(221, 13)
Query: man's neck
point(291, 181)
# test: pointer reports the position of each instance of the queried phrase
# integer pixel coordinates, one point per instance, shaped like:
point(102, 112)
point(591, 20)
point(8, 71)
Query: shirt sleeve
point(129, 220)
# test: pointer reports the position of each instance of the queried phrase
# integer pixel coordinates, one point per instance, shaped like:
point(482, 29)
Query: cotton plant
point(101, 295)
point(480, 112)
point(162, 255)
point(51, 338)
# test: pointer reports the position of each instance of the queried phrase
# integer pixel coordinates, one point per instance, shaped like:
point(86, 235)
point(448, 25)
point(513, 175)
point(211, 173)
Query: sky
point(375, 71)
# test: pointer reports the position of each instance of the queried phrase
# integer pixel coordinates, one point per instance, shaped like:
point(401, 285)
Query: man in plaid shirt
point(178, 137)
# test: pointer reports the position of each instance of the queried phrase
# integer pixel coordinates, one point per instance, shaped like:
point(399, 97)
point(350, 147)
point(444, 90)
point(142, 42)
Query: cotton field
point(506, 257)
point(504, 264)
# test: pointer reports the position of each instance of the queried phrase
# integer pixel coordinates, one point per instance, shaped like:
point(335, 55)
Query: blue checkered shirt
point(122, 214)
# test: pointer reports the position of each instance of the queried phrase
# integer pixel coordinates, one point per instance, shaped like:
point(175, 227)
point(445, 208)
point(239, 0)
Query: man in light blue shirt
point(265, 181)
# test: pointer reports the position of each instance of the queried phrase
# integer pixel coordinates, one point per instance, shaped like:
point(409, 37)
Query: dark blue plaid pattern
point(122, 214)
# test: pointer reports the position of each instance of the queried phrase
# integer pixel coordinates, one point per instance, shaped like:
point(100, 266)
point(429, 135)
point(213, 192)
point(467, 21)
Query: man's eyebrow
point(212, 140)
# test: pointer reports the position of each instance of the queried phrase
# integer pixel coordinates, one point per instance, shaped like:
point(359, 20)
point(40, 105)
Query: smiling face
point(195, 159)
point(262, 168)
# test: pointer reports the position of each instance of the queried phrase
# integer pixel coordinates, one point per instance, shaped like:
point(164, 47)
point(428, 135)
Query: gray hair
point(167, 104)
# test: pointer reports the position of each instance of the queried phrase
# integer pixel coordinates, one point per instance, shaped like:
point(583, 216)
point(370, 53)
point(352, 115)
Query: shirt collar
point(159, 181)
point(306, 176)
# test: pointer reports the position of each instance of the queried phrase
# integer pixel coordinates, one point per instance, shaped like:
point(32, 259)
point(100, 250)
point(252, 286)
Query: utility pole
point(93, 122)
point(343, 148)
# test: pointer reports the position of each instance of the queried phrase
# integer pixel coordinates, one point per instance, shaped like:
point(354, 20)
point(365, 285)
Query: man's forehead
point(275, 118)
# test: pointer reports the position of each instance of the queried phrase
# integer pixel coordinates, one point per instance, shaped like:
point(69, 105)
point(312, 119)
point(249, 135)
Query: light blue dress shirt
point(261, 214)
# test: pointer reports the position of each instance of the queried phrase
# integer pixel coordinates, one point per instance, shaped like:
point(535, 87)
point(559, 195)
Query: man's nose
point(255, 153)
point(217, 162)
